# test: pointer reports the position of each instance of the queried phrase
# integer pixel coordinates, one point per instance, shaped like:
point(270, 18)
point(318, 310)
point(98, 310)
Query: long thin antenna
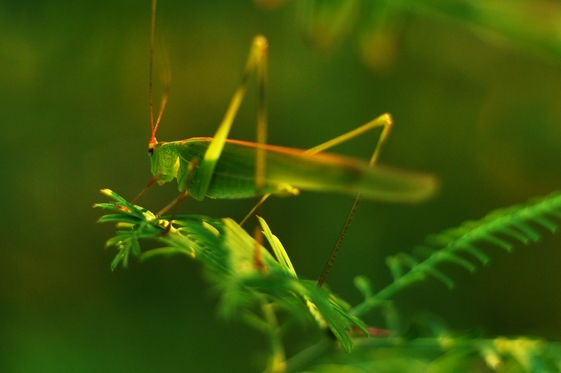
point(163, 104)
point(151, 94)
point(152, 143)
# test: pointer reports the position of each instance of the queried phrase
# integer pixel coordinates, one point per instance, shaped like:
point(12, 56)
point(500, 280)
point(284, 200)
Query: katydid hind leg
point(384, 121)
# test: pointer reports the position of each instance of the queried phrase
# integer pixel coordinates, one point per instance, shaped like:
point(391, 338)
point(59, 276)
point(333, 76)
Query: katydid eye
point(150, 151)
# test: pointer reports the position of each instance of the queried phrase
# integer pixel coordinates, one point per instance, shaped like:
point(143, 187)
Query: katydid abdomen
point(285, 169)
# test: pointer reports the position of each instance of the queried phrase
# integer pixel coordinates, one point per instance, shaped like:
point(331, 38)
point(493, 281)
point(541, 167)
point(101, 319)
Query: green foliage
point(500, 228)
point(447, 354)
point(528, 26)
point(228, 256)
point(265, 292)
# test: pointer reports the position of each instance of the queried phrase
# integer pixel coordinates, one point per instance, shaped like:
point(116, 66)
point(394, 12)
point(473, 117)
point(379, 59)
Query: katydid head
point(164, 160)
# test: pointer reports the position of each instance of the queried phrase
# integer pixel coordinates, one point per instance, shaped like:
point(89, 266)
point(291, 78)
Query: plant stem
point(277, 361)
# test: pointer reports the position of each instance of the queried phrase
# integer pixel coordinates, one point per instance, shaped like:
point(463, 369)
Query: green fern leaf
point(227, 253)
point(503, 228)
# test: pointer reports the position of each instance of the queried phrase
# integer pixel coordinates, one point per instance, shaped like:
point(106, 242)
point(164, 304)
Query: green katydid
point(219, 167)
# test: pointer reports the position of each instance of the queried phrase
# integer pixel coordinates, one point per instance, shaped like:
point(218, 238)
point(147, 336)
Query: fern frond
point(447, 354)
point(503, 228)
point(227, 253)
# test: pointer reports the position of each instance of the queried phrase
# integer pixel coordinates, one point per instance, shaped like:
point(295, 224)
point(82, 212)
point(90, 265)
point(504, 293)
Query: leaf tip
point(107, 192)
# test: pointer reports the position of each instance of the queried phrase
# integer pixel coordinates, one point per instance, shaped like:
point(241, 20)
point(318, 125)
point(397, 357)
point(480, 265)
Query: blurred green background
point(475, 97)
